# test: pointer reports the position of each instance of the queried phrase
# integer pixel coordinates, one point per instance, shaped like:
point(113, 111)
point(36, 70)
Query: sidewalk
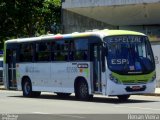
point(157, 91)
point(2, 87)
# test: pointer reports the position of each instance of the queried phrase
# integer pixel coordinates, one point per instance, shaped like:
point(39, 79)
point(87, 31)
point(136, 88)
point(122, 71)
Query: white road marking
point(139, 108)
point(40, 113)
point(72, 116)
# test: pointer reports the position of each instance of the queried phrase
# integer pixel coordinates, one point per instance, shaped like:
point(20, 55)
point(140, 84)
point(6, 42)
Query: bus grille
point(135, 82)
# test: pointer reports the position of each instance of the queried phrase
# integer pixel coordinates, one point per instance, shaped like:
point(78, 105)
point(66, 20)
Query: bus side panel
point(79, 69)
point(41, 76)
point(22, 70)
point(59, 77)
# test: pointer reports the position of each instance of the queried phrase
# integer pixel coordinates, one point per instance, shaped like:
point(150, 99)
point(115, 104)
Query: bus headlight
point(114, 79)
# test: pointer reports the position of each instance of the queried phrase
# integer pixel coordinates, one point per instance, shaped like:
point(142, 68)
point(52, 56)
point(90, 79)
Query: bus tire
point(82, 91)
point(27, 89)
point(123, 97)
point(63, 95)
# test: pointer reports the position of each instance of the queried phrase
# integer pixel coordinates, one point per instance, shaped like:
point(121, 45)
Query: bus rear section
point(10, 60)
point(64, 66)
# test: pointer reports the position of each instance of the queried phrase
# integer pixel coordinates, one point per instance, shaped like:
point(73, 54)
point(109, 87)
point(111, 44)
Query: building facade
point(138, 15)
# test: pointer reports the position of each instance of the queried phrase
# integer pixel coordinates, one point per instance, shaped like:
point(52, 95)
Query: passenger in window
point(57, 56)
point(66, 56)
point(52, 56)
point(85, 55)
point(71, 55)
point(48, 47)
point(72, 49)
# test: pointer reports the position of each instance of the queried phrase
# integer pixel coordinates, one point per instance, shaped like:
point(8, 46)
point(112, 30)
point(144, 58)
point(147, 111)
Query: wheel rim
point(27, 87)
point(83, 89)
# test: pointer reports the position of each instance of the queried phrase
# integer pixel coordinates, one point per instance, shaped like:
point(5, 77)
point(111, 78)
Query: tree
point(26, 18)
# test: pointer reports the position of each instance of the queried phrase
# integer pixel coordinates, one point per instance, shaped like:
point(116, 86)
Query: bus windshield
point(129, 54)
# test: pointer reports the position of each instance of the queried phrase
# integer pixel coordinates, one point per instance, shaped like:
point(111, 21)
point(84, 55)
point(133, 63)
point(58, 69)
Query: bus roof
point(104, 32)
point(121, 32)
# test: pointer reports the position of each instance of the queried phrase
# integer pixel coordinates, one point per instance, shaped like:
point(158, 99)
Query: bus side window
point(85, 55)
point(81, 49)
point(43, 51)
point(61, 50)
point(71, 51)
point(21, 54)
point(52, 51)
point(26, 52)
point(71, 55)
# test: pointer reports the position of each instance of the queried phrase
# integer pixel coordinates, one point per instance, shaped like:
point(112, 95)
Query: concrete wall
point(92, 3)
point(73, 22)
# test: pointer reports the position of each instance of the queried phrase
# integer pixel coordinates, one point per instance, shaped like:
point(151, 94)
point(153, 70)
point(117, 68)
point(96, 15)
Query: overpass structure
point(139, 15)
point(117, 12)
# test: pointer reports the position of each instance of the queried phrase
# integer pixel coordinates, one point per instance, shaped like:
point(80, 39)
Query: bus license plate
point(136, 87)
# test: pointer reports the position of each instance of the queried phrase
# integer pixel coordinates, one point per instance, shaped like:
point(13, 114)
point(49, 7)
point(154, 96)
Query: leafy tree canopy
point(26, 18)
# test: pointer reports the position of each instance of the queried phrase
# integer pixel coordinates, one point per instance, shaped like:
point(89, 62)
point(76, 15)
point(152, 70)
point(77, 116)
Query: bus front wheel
point(123, 97)
point(82, 92)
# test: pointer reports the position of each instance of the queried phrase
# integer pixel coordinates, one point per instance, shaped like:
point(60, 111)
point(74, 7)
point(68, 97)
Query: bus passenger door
point(11, 58)
point(95, 52)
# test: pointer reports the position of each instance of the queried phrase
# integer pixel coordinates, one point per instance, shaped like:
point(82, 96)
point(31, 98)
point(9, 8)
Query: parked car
point(1, 70)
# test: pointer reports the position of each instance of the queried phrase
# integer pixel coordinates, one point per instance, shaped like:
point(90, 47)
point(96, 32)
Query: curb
point(2, 89)
point(153, 94)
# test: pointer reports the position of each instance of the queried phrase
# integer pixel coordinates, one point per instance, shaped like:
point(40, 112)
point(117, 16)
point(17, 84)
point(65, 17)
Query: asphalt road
point(12, 102)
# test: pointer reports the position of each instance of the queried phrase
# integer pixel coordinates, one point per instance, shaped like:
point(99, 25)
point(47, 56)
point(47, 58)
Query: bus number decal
point(72, 70)
point(31, 70)
point(82, 65)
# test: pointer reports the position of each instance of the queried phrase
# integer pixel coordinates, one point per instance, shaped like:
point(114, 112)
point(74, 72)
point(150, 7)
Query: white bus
point(108, 62)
